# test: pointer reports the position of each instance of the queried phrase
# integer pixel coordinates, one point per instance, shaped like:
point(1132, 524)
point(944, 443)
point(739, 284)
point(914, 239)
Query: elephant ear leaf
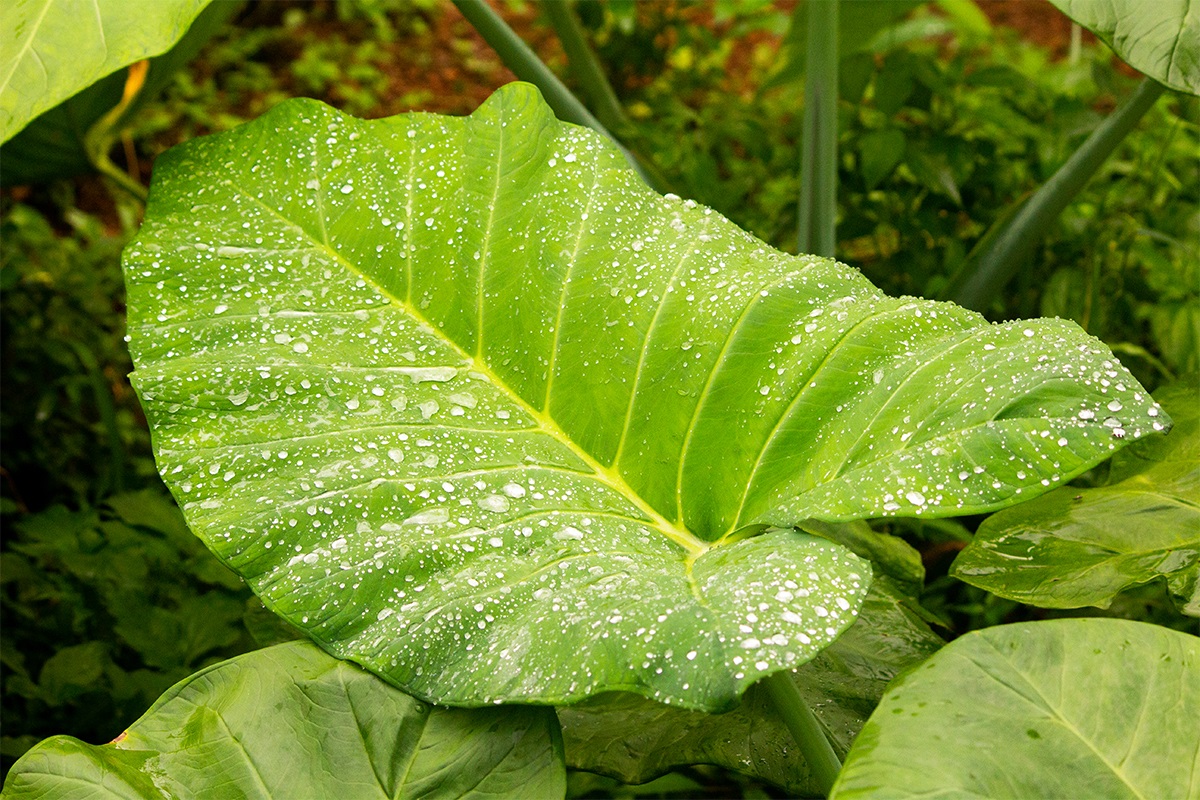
point(54, 49)
point(347, 734)
point(999, 711)
point(470, 405)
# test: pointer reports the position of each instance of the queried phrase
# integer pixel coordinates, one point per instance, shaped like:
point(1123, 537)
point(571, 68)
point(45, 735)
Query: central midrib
point(692, 545)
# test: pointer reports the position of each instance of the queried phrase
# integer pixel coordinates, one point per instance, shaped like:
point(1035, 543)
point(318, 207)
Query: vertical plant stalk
point(100, 137)
point(803, 725)
point(818, 148)
point(585, 67)
point(1014, 243)
point(526, 65)
point(108, 414)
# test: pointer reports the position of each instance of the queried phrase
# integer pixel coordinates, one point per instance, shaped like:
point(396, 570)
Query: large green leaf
point(1081, 547)
point(1058, 708)
point(634, 740)
point(54, 48)
point(472, 406)
point(290, 722)
point(1160, 38)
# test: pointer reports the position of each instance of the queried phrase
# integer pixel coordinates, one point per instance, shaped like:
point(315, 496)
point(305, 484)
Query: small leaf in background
point(634, 739)
point(72, 671)
point(1160, 39)
point(1082, 547)
point(932, 170)
point(894, 82)
point(1057, 708)
point(1176, 328)
point(535, 402)
point(290, 722)
point(879, 153)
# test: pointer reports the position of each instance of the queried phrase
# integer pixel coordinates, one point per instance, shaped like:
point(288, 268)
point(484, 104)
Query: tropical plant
point(466, 403)
point(469, 405)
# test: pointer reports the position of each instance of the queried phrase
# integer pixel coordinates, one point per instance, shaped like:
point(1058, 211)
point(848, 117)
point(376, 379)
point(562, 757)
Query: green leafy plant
point(351, 735)
point(1050, 692)
point(104, 608)
point(467, 404)
point(1080, 547)
point(437, 469)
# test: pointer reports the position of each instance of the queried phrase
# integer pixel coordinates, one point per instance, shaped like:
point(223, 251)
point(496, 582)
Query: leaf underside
point(1160, 39)
point(1056, 708)
point(292, 721)
point(52, 49)
point(473, 407)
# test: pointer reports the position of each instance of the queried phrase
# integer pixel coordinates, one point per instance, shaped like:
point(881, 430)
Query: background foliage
point(945, 123)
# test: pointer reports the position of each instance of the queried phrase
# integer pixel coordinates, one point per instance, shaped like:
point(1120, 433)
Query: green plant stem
point(108, 413)
point(818, 156)
point(805, 729)
point(585, 67)
point(1013, 245)
point(526, 65)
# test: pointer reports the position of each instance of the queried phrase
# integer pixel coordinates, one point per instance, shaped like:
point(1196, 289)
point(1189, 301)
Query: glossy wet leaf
point(634, 740)
point(472, 406)
point(1081, 547)
point(54, 48)
point(291, 721)
point(1057, 708)
point(1160, 38)
point(889, 555)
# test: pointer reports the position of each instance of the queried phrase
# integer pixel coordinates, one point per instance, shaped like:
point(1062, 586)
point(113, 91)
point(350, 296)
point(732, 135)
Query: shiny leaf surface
point(634, 740)
point(1081, 547)
point(291, 721)
point(1058, 708)
point(473, 407)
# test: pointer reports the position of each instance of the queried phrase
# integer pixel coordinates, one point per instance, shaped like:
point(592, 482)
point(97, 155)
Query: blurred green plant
point(72, 428)
point(103, 609)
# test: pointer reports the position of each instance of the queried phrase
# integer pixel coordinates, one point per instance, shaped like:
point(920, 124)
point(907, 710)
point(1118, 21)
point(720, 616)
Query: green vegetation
point(605, 414)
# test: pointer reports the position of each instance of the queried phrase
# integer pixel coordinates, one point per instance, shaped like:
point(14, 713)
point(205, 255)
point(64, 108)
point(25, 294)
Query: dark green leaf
point(1059, 708)
point(293, 722)
point(890, 555)
point(879, 153)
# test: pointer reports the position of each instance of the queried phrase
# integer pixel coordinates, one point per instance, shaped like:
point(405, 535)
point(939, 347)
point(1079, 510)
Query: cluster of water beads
point(362, 407)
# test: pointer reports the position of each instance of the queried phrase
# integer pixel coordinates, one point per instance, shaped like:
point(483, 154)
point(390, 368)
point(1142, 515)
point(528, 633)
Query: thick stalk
point(585, 67)
point(526, 65)
point(1014, 243)
point(818, 147)
point(805, 729)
